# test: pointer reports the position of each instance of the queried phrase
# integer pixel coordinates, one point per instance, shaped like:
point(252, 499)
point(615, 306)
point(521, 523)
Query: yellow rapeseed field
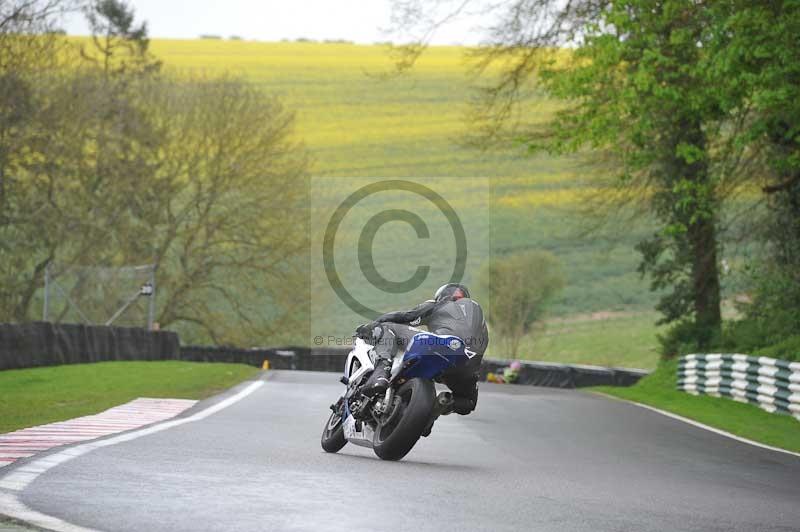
point(358, 122)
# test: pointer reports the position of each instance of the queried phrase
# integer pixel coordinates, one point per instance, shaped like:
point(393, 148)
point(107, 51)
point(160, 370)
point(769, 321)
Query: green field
point(622, 339)
point(746, 420)
point(358, 124)
point(604, 339)
point(43, 395)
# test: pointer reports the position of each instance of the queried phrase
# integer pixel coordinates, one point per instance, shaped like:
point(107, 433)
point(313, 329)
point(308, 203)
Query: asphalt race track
point(527, 459)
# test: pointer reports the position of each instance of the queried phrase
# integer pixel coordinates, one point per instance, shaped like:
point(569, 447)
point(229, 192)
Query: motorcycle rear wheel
point(400, 429)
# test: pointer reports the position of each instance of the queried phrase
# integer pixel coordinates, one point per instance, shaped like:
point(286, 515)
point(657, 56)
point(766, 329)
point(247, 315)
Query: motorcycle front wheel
point(401, 427)
point(333, 433)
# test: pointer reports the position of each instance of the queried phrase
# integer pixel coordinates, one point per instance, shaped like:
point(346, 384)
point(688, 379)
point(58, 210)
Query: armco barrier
point(772, 384)
point(33, 344)
point(565, 375)
point(300, 358)
point(46, 344)
point(333, 359)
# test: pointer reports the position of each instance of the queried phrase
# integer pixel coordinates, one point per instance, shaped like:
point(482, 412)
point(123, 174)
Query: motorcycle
point(392, 423)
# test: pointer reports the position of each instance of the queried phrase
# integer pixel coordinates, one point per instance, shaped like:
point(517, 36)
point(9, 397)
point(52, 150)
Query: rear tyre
point(333, 434)
point(402, 426)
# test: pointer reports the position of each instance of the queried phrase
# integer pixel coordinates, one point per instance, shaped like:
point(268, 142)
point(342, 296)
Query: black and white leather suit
point(461, 317)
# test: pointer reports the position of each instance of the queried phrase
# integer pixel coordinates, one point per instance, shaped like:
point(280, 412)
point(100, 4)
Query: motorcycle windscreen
point(428, 355)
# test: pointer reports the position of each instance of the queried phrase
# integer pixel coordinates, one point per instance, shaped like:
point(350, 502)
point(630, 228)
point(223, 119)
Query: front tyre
point(401, 427)
point(333, 434)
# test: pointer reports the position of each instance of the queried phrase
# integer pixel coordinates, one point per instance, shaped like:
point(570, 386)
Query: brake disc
point(396, 407)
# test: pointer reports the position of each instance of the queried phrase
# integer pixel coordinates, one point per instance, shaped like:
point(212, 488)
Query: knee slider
point(463, 405)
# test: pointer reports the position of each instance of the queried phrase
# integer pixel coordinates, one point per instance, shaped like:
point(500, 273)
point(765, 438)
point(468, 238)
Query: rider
point(450, 312)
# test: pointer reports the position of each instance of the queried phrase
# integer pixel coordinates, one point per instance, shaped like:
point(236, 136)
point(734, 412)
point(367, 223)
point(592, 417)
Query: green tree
point(519, 288)
point(635, 94)
point(752, 61)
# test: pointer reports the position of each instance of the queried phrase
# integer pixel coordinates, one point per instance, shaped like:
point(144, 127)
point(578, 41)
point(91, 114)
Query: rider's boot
point(379, 380)
point(444, 404)
point(385, 349)
point(441, 407)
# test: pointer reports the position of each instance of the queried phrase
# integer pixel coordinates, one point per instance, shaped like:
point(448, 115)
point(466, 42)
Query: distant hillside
point(359, 124)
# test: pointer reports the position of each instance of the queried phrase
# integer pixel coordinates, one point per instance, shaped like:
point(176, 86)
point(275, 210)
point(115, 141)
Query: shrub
point(683, 339)
point(788, 349)
point(745, 336)
point(520, 287)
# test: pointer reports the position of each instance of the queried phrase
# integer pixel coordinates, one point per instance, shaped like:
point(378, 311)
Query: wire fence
point(100, 295)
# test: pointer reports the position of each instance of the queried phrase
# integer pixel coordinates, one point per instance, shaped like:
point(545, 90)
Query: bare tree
point(60, 207)
point(227, 219)
point(29, 49)
point(102, 165)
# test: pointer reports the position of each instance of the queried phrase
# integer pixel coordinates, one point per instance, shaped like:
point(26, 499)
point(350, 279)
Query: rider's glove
point(365, 331)
point(370, 332)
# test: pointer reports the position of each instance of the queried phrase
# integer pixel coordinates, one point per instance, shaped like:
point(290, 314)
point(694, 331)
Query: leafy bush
point(748, 336)
point(771, 319)
point(744, 336)
point(788, 349)
point(683, 338)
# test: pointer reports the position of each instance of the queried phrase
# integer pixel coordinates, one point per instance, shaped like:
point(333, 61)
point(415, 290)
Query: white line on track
point(703, 426)
point(18, 479)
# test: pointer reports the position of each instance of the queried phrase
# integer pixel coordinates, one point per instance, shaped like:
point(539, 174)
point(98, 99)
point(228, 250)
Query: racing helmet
point(451, 291)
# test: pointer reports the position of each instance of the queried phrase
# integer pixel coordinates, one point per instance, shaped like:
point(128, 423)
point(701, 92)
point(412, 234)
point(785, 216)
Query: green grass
point(748, 421)
point(622, 340)
point(43, 395)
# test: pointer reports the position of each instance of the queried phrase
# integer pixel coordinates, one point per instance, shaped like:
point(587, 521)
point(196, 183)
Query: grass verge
point(745, 420)
point(35, 396)
point(621, 340)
